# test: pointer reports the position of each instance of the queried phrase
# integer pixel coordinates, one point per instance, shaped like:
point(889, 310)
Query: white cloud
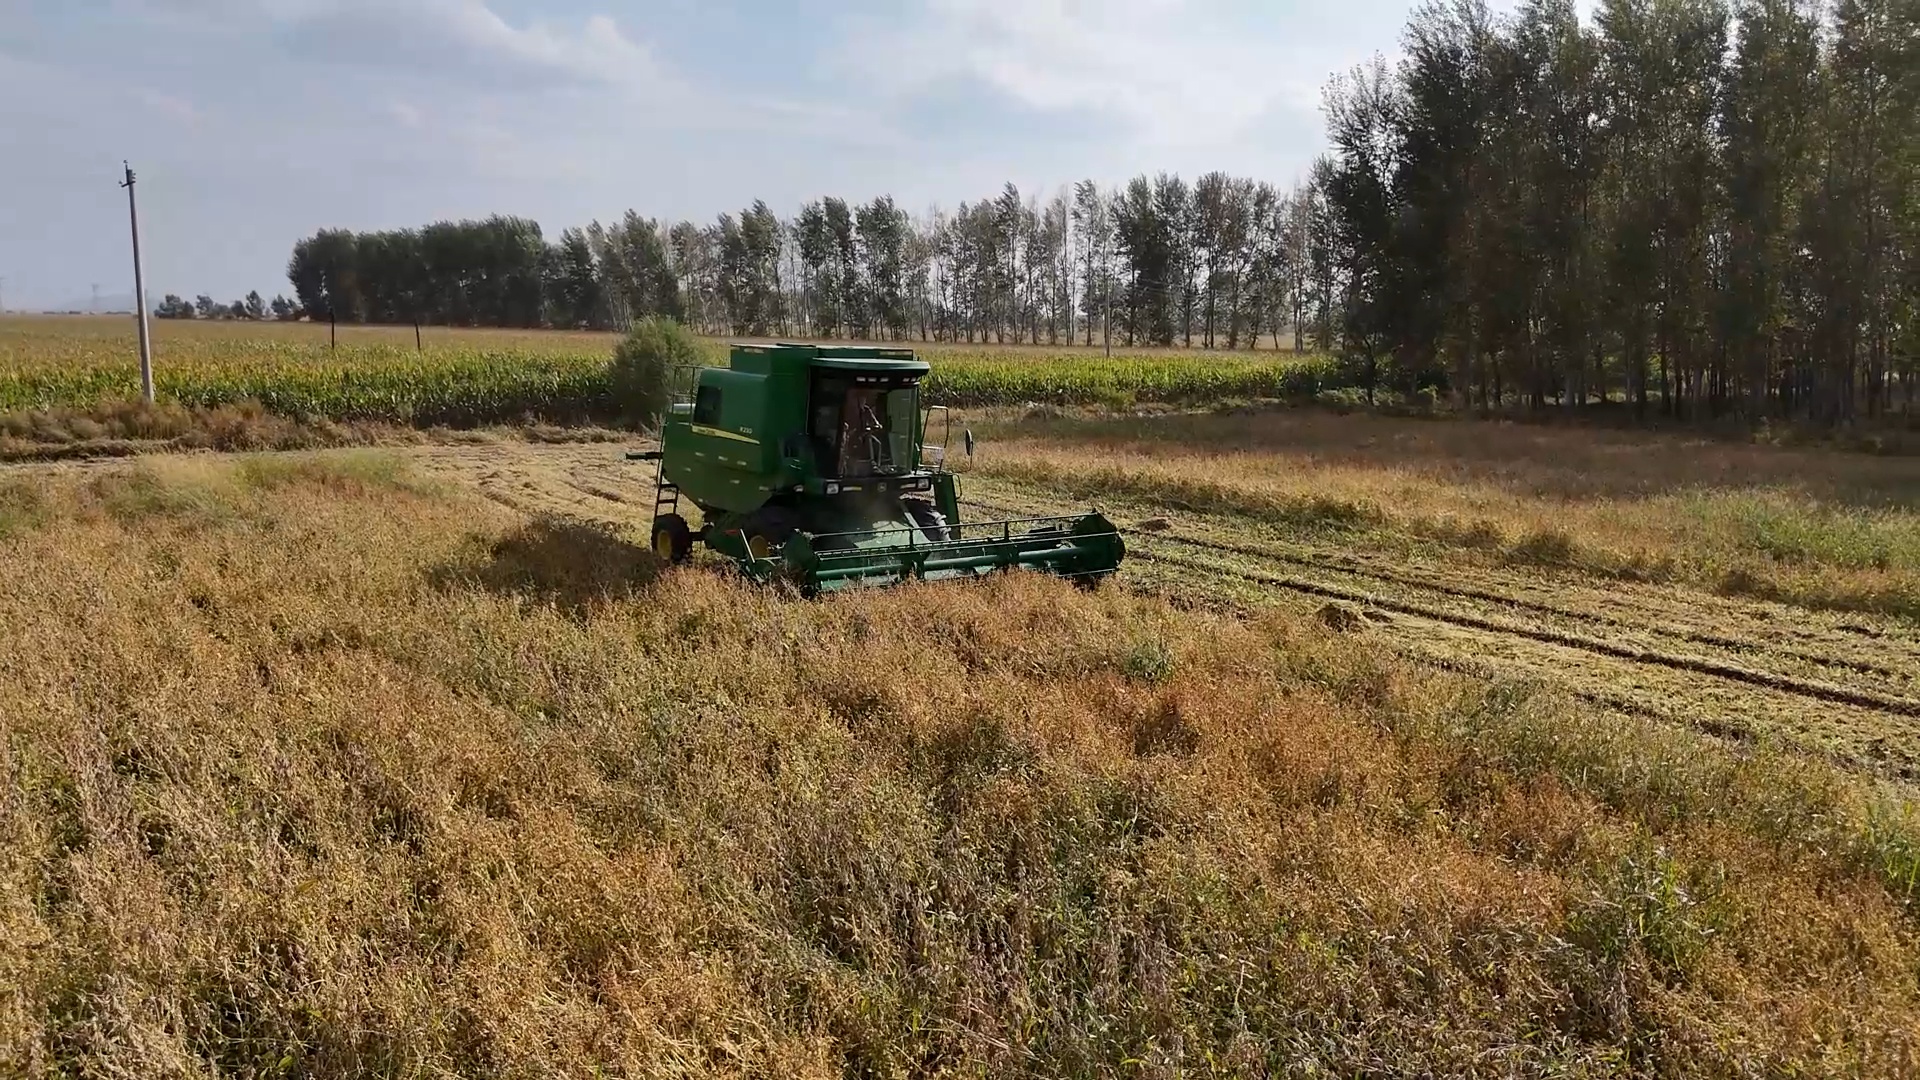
point(597, 51)
point(1173, 72)
point(469, 40)
point(168, 105)
point(406, 115)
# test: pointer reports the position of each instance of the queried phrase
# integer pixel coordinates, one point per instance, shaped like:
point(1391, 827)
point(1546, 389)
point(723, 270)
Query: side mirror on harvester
point(968, 434)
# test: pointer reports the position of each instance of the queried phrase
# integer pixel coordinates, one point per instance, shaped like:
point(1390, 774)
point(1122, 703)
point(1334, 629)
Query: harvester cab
point(813, 464)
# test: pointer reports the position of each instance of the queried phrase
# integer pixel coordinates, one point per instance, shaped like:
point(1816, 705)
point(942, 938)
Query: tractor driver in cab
point(854, 430)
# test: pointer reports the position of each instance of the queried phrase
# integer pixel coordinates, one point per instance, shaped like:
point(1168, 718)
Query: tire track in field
point(1849, 728)
point(1361, 568)
point(1694, 664)
point(1143, 546)
point(1696, 637)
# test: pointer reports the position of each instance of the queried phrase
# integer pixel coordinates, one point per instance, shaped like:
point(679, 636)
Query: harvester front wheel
point(768, 529)
point(672, 539)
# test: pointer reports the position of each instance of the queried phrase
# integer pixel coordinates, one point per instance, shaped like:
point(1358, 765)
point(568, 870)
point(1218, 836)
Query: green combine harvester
point(811, 465)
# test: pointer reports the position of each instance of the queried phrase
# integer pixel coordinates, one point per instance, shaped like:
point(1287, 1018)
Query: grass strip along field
point(470, 378)
point(325, 765)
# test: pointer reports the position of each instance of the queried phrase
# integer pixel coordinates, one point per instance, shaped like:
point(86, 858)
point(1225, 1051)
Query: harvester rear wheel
point(930, 520)
point(672, 539)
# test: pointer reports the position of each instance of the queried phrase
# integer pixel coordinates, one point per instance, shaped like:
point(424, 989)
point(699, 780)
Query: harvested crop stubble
point(1818, 528)
point(315, 767)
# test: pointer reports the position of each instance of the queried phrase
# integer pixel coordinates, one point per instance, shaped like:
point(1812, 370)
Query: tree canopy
point(1700, 207)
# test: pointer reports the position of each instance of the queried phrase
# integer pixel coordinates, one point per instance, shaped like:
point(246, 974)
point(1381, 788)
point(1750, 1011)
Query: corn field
point(963, 381)
point(467, 378)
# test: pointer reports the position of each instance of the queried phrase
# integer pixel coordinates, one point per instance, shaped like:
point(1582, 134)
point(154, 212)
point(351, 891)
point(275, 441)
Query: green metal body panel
point(730, 448)
point(946, 495)
point(805, 462)
point(721, 448)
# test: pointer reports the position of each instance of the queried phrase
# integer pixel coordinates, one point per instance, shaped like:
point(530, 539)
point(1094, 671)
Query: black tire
point(672, 539)
point(930, 520)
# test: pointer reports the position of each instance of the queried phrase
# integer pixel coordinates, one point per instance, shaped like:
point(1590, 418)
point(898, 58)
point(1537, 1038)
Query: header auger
point(811, 464)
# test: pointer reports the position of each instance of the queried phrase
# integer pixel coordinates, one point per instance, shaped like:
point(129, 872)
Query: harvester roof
point(871, 359)
point(862, 364)
point(867, 358)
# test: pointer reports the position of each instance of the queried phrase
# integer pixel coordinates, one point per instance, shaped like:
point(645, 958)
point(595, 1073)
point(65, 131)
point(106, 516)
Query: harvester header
point(813, 464)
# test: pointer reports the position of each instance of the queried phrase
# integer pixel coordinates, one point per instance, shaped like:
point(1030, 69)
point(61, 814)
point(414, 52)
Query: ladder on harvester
point(666, 493)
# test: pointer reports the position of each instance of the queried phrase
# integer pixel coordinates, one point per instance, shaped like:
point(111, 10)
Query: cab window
point(863, 426)
point(706, 406)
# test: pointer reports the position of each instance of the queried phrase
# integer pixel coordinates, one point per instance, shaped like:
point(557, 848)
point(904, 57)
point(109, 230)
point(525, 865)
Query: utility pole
point(139, 293)
point(1106, 332)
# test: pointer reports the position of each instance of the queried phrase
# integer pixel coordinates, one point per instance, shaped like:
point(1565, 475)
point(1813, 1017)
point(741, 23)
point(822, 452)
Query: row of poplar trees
point(1684, 206)
point(1220, 262)
point(1688, 206)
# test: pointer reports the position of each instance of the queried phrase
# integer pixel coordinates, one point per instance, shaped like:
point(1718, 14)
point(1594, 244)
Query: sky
point(251, 123)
